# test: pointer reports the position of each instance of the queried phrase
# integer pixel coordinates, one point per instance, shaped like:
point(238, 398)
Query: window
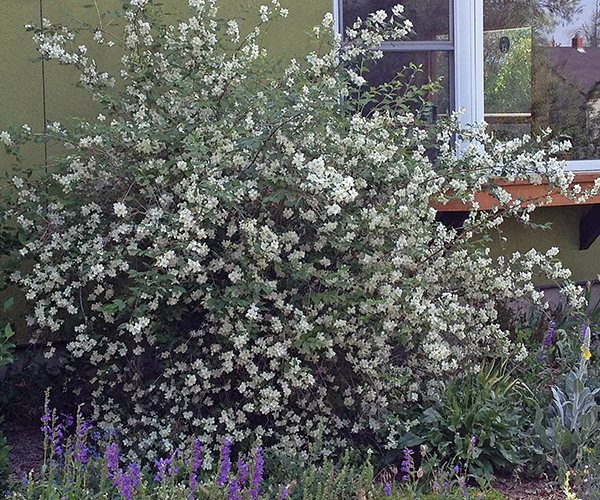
point(510, 62)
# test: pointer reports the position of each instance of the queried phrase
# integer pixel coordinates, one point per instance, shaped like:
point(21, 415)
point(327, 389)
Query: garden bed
point(27, 455)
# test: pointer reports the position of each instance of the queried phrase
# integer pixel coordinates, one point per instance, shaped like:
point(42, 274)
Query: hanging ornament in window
point(504, 44)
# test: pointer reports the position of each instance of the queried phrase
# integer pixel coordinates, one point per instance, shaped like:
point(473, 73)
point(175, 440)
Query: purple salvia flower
point(57, 436)
point(81, 450)
point(406, 463)
point(193, 483)
point(67, 420)
point(257, 475)
point(387, 490)
point(173, 469)
point(122, 482)
point(548, 340)
point(473, 441)
point(196, 460)
point(46, 419)
point(161, 465)
point(463, 485)
point(80, 455)
point(234, 489)
point(134, 474)
point(165, 466)
point(112, 460)
point(456, 469)
point(83, 428)
point(127, 482)
point(133, 477)
point(242, 470)
point(285, 491)
point(225, 463)
point(235, 486)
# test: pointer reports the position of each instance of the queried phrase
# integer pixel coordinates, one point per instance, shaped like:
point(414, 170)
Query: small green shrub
point(479, 421)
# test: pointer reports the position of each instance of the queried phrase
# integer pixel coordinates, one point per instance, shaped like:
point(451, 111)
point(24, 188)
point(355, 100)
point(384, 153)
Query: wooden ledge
point(527, 192)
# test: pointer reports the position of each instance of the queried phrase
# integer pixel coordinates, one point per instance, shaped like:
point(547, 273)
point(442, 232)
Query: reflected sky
point(564, 34)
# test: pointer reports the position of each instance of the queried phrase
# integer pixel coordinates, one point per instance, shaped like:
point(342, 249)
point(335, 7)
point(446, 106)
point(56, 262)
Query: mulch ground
point(27, 451)
point(27, 454)
point(529, 489)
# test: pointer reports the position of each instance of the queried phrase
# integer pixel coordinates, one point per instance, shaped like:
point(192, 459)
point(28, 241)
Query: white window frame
point(466, 64)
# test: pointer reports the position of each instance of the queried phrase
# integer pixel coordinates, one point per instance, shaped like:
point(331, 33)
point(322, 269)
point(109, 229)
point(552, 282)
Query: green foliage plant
point(6, 357)
point(572, 418)
point(233, 251)
point(478, 421)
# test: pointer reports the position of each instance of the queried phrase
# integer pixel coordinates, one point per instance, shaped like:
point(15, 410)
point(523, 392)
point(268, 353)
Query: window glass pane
point(433, 66)
point(507, 80)
point(430, 18)
point(546, 53)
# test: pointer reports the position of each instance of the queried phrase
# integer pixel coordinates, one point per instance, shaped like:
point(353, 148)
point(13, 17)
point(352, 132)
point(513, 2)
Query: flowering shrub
point(241, 254)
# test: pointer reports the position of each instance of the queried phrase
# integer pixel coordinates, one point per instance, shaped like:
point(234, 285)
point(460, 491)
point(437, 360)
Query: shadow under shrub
point(240, 253)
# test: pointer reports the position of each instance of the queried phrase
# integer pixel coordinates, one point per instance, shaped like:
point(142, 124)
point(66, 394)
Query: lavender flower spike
point(257, 476)
point(406, 463)
point(225, 463)
point(196, 460)
point(548, 340)
point(112, 460)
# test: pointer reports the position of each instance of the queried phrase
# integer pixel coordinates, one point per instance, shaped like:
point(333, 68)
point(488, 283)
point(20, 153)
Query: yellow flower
point(587, 355)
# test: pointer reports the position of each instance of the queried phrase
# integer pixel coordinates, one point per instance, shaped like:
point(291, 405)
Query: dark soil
point(27, 453)
point(528, 489)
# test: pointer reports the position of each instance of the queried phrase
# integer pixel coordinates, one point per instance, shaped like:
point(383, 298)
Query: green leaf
point(9, 303)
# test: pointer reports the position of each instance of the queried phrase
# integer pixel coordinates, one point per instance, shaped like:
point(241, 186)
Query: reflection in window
point(543, 53)
point(430, 18)
point(507, 80)
point(429, 48)
point(434, 66)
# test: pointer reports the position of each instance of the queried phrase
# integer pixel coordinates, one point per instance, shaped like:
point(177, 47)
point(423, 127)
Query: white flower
point(264, 13)
point(253, 313)
point(5, 138)
point(120, 209)
point(398, 9)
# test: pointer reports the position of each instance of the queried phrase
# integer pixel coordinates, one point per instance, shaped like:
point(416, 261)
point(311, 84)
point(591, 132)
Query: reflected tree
point(541, 15)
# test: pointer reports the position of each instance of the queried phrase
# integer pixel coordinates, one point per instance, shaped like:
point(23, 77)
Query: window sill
point(527, 191)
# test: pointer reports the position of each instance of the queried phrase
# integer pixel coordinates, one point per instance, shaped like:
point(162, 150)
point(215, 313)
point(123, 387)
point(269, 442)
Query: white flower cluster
point(250, 257)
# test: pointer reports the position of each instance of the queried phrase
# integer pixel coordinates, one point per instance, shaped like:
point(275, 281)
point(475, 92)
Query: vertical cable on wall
point(45, 125)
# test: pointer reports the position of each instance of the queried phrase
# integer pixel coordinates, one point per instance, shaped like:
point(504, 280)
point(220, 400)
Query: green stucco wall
point(21, 95)
point(563, 233)
point(21, 98)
